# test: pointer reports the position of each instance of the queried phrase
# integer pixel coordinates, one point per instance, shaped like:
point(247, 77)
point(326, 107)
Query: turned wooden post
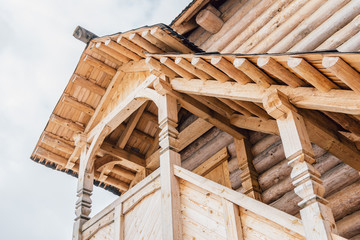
point(317, 218)
point(170, 193)
point(84, 189)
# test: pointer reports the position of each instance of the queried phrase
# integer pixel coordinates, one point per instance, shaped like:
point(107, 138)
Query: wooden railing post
point(317, 218)
point(84, 190)
point(170, 194)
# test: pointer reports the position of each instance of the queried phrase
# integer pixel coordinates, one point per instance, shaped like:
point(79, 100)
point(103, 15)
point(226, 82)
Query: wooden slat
point(57, 144)
point(232, 221)
point(253, 72)
point(311, 74)
point(50, 156)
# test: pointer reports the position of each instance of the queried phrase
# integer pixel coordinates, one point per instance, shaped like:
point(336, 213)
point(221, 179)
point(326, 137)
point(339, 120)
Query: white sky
point(37, 57)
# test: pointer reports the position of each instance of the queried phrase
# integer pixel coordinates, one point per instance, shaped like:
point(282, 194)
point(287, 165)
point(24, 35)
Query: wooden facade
point(239, 121)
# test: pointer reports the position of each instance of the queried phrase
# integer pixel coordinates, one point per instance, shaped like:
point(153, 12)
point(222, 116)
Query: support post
point(84, 189)
point(317, 218)
point(170, 192)
point(249, 176)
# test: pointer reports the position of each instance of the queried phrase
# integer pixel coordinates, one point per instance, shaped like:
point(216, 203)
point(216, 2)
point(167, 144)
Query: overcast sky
point(37, 58)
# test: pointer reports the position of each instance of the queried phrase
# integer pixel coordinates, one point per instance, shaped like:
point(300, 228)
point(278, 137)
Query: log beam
point(335, 100)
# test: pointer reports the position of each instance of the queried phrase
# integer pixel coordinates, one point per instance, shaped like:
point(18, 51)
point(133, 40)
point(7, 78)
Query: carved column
point(84, 189)
point(249, 176)
point(170, 193)
point(317, 218)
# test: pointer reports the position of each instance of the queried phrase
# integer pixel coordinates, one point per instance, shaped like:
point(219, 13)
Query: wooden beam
point(228, 68)
point(129, 160)
point(336, 100)
point(182, 62)
point(110, 90)
point(253, 108)
point(169, 40)
point(57, 144)
point(253, 72)
point(212, 162)
point(311, 74)
point(99, 65)
point(273, 67)
point(50, 156)
point(249, 176)
point(86, 83)
point(234, 230)
point(131, 46)
point(209, 21)
point(209, 69)
point(343, 71)
point(67, 123)
point(255, 124)
point(148, 46)
point(346, 121)
point(134, 66)
point(192, 132)
point(124, 51)
point(200, 110)
point(130, 126)
point(179, 70)
point(73, 102)
point(155, 64)
point(235, 106)
point(111, 52)
point(215, 104)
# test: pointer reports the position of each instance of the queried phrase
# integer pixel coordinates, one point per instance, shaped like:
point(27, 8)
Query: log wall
point(342, 183)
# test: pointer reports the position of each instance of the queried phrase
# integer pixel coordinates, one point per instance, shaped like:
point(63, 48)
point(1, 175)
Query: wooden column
point(249, 176)
point(84, 189)
point(170, 193)
point(317, 218)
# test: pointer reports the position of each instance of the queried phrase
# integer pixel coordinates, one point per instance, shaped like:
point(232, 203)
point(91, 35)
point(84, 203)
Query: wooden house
point(238, 121)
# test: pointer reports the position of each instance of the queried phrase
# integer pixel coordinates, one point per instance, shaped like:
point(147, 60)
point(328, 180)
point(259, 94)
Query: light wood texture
point(173, 66)
point(190, 68)
point(228, 68)
point(335, 100)
point(208, 68)
point(99, 65)
point(253, 72)
point(209, 21)
point(343, 71)
point(310, 74)
point(272, 66)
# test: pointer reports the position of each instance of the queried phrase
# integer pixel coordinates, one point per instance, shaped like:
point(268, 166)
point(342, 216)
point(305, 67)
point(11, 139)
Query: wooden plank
point(311, 74)
point(232, 221)
point(292, 223)
point(67, 123)
point(118, 223)
point(336, 100)
point(192, 132)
